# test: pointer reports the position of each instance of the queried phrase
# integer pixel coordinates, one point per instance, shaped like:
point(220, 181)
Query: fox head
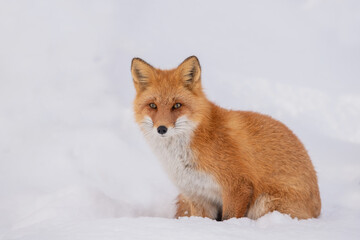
point(168, 102)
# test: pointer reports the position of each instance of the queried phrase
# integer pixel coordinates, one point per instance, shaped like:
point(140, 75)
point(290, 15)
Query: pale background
point(73, 164)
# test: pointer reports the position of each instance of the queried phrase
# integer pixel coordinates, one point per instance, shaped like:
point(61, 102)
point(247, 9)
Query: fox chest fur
point(179, 162)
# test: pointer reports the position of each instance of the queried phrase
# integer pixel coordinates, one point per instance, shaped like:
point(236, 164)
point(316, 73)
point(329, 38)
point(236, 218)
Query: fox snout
point(182, 126)
point(162, 130)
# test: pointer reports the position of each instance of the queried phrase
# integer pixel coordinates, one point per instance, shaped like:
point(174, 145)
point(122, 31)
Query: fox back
point(224, 163)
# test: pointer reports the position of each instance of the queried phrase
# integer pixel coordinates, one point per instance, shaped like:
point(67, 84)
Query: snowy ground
point(73, 165)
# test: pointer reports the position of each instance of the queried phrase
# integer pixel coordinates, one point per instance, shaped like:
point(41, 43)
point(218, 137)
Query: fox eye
point(177, 105)
point(153, 105)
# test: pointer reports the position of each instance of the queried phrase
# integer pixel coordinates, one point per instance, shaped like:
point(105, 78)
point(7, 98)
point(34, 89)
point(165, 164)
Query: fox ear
point(141, 72)
point(190, 71)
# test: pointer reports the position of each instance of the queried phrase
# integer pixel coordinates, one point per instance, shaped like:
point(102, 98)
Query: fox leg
point(285, 204)
point(183, 207)
point(262, 205)
point(236, 200)
point(187, 208)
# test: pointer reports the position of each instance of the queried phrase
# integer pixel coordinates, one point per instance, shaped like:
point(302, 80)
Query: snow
point(74, 165)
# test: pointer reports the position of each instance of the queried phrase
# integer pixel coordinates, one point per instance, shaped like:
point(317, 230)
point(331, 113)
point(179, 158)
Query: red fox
point(224, 163)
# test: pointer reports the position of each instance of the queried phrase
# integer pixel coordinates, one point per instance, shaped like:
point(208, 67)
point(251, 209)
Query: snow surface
point(73, 164)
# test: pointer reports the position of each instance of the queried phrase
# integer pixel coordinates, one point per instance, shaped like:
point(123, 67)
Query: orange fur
point(259, 164)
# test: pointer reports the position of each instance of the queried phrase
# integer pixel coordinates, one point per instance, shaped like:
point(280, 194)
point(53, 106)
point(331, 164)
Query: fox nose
point(162, 130)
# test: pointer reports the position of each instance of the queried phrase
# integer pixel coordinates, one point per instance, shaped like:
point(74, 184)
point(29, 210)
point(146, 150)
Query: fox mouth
point(170, 133)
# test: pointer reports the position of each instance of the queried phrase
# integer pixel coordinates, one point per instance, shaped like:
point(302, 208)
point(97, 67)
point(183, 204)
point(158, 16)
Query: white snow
point(74, 165)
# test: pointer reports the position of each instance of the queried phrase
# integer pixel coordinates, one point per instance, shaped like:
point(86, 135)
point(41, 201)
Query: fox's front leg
point(187, 208)
point(236, 199)
point(183, 207)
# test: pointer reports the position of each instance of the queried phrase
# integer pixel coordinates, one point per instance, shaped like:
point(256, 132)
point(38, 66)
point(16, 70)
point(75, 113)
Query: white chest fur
point(178, 160)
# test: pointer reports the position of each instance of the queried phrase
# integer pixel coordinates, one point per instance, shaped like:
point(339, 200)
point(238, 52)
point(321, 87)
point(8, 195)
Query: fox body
point(224, 163)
